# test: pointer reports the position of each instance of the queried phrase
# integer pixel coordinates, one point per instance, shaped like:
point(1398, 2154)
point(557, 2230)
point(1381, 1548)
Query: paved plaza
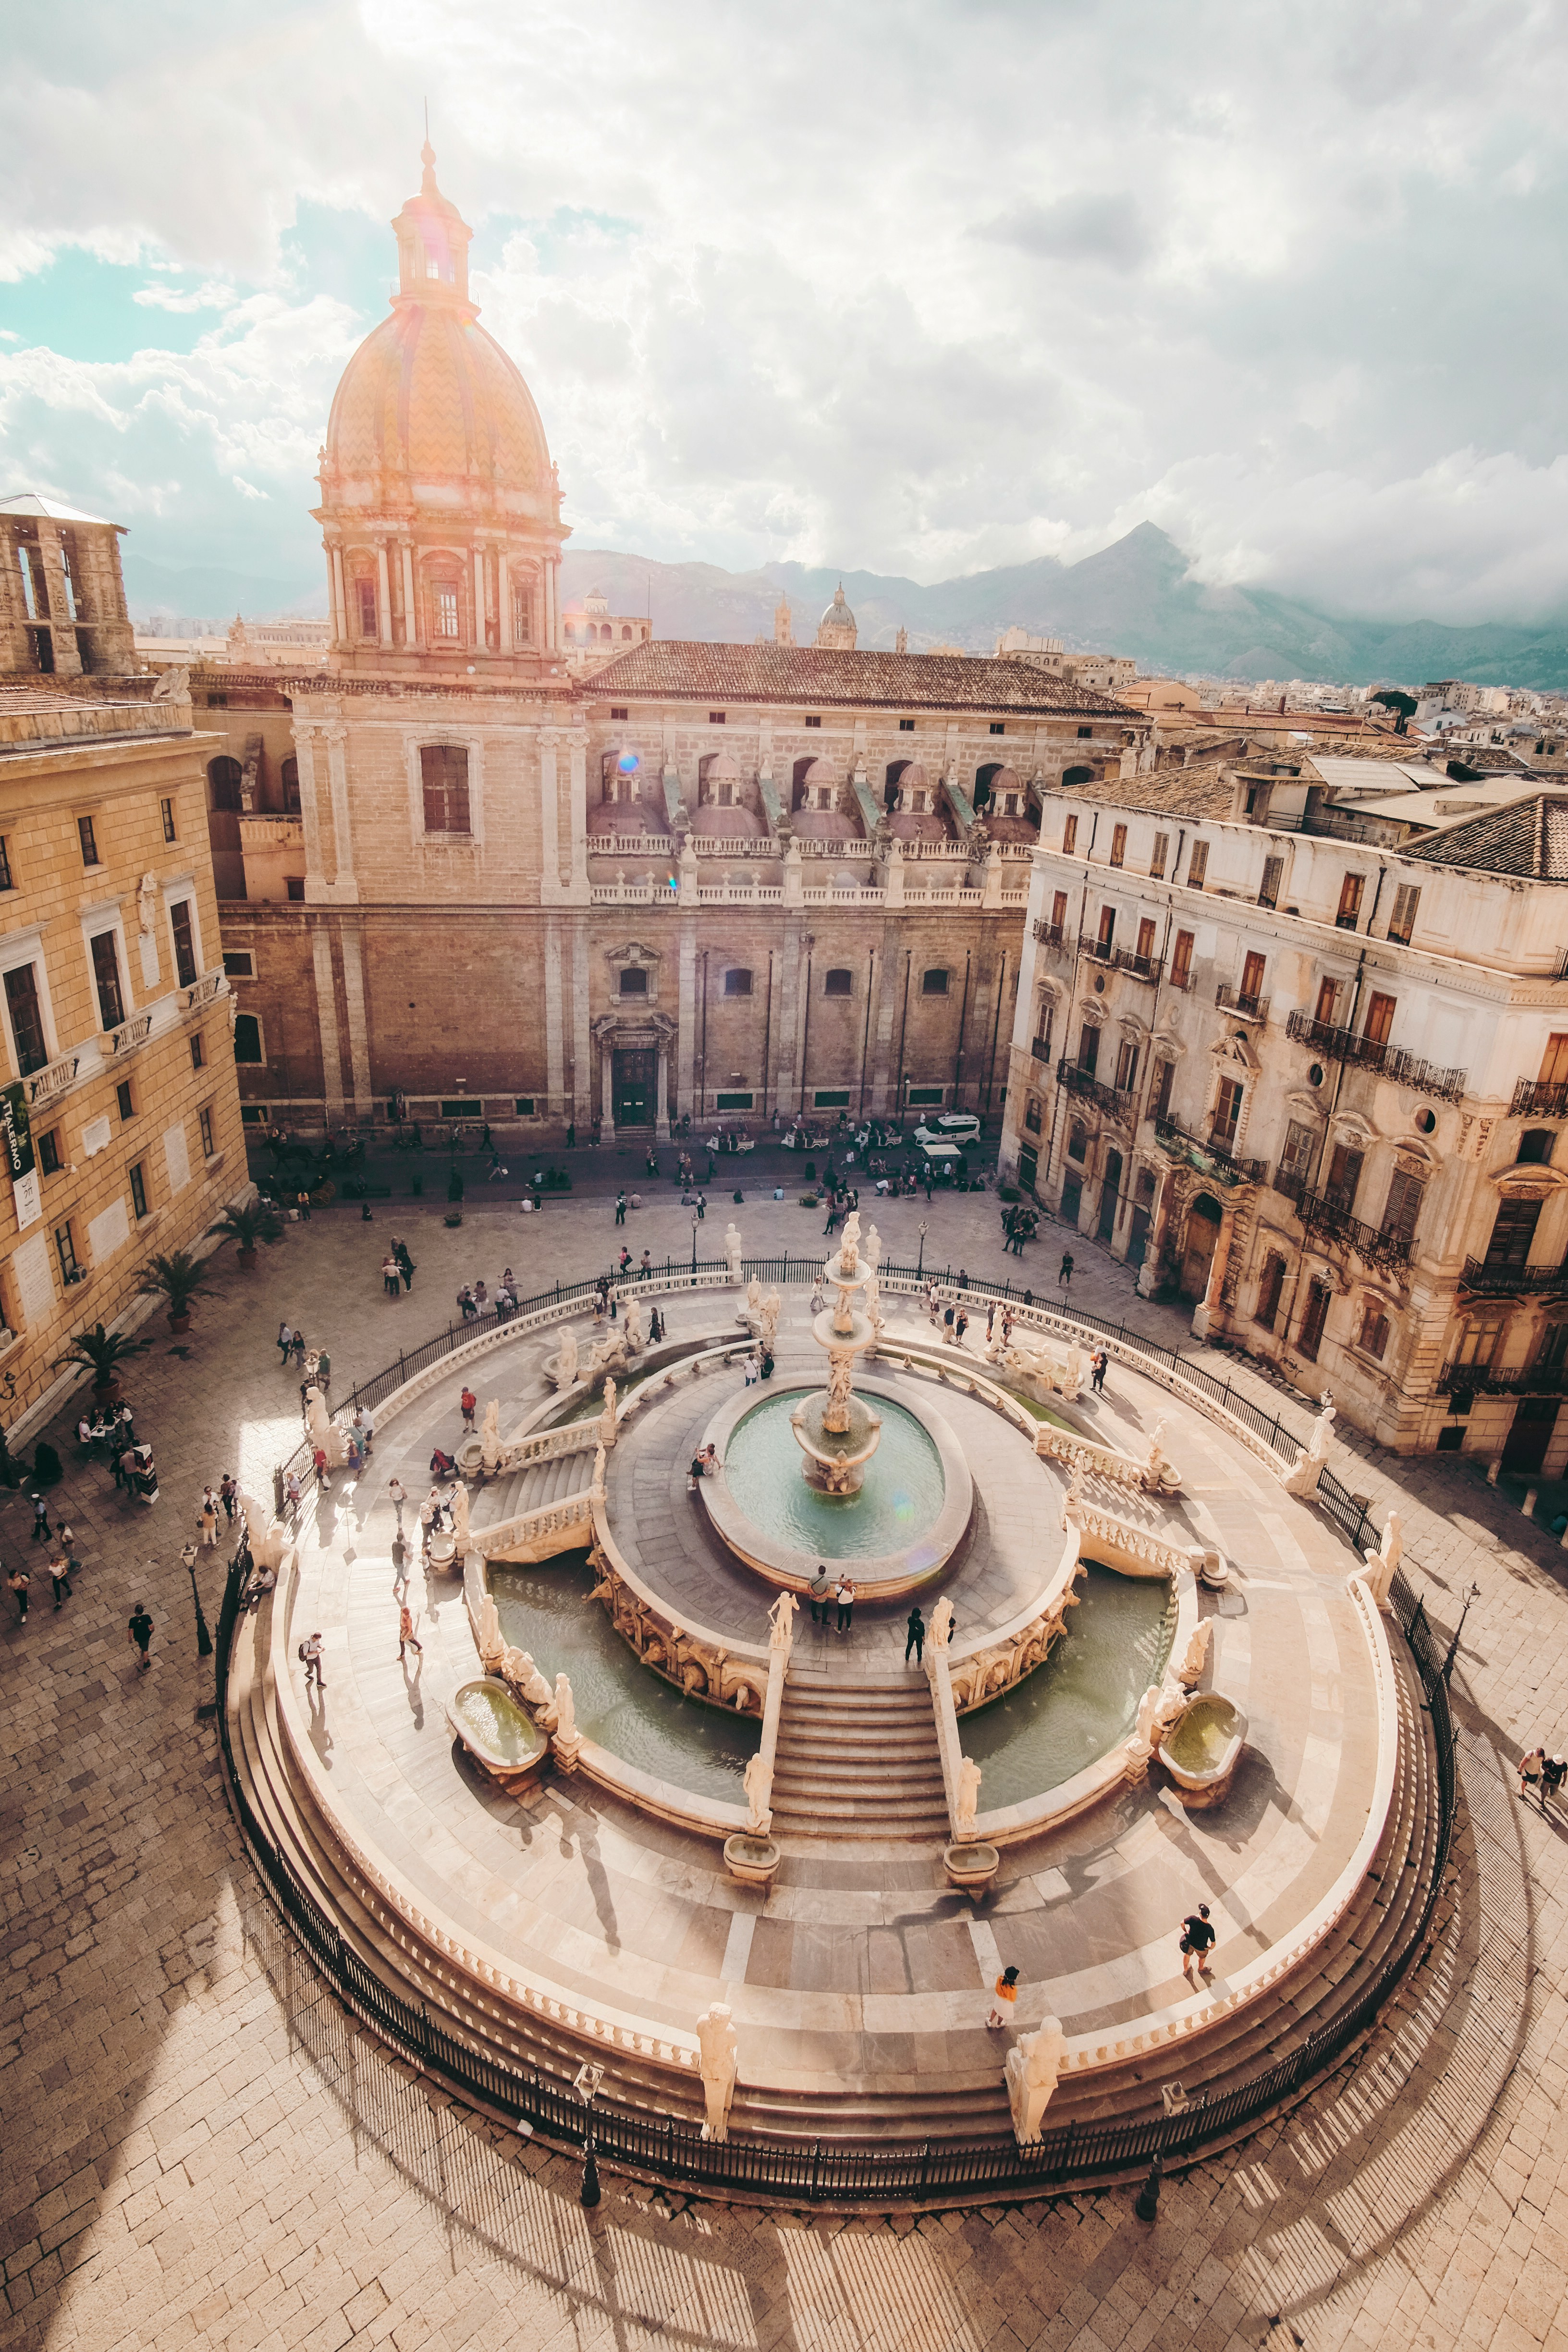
point(199, 2149)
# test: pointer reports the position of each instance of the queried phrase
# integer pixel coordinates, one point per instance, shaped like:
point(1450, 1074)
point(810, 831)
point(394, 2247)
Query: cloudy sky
point(921, 286)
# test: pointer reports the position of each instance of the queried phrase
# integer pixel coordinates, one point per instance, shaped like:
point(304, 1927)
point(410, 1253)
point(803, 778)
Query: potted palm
point(176, 1279)
point(101, 1353)
point(254, 1222)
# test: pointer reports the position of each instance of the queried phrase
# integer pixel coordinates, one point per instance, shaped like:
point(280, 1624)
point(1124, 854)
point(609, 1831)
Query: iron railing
point(1371, 1054)
point(1208, 1157)
point(1084, 1083)
point(1547, 1379)
point(1231, 999)
point(1330, 1221)
point(1541, 1098)
point(1512, 1281)
point(1050, 936)
point(1138, 967)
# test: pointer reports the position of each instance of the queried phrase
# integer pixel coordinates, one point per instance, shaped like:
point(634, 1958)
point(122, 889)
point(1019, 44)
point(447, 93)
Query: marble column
point(335, 735)
point(662, 1127)
point(384, 612)
point(411, 632)
point(606, 1091)
point(579, 815)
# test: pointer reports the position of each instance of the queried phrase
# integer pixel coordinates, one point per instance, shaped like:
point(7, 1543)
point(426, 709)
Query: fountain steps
point(413, 1970)
point(857, 1758)
point(532, 1488)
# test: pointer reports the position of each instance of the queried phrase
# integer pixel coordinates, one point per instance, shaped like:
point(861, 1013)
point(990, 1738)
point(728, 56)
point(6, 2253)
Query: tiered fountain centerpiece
point(837, 1431)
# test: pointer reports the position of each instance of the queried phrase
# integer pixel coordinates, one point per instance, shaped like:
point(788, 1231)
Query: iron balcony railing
point(1138, 967)
point(1051, 936)
point(1549, 1379)
point(1084, 1083)
point(1209, 1158)
point(1540, 1099)
point(1231, 999)
point(1330, 1221)
point(1370, 1054)
point(1512, 1281)
point(1040, 1047)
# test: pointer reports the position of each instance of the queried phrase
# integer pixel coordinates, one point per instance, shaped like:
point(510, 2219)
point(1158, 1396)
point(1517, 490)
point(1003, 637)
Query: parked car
point(950, 1127)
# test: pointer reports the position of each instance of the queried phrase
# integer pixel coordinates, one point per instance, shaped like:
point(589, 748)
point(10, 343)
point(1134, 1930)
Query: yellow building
point(121, 1109)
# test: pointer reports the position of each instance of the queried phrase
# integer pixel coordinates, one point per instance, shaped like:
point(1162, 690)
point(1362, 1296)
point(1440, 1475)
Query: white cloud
point(213, 296)
point(249, 490)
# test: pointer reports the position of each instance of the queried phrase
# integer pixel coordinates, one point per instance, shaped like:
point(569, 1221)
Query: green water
point(898, 1504)
point(1084, 1699)
point(499, 1726)
point(1203, 1734)
point(621, 1704)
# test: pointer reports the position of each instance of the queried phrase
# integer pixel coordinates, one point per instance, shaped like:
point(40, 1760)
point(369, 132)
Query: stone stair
point(857, 1758)
point(532, 1488)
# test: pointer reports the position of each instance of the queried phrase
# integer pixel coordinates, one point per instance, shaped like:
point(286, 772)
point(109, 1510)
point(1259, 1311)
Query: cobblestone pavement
point(199, 2149)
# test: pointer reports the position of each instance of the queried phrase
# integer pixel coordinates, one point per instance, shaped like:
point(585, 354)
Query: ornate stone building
point(717, 880)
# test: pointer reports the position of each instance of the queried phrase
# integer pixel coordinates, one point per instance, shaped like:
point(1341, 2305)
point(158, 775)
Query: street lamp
point(919, 1269)
point(694, 1249)
point(1473, 1594)
point(203, 1639)
point(585, 2082)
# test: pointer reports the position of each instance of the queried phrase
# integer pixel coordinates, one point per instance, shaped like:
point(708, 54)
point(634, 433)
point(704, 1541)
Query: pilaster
point(359, 1035)
point(554, 1035)
point(685, 1068)
point(549, 819)
point(579, 811)
point(582, 1037)
point(327, 1020)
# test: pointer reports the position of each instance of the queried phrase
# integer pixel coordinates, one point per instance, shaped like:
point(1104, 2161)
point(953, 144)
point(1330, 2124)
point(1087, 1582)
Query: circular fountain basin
point(896, 1533)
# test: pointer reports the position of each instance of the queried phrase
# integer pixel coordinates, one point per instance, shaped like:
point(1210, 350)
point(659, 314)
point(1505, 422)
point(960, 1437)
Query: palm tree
point(254, 1222)
point(101, 1353)
point(177, 1278)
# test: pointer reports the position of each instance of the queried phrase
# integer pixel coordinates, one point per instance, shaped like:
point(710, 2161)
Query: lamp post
point(585, 2082)
point(203, 1639)
point(694, 1249)
point(921, 1267)
point(1473, 1594)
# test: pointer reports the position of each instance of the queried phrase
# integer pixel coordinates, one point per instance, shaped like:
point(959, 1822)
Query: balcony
point(1231, 999)
point(1138, 967)
point(1084, 1083)
point(1052, 936)
point(1040, 1047)
point(1512, 1281)
point(201, 991)
point(1540, 1099)
point(1478, 1379)
point(1368, 1053)
point(44, 1084)
point(118, 1045)
point(1330, 1222)
point(1209, 1159)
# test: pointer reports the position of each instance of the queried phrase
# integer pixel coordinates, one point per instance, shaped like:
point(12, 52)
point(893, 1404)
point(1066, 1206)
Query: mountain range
point(1136, 596)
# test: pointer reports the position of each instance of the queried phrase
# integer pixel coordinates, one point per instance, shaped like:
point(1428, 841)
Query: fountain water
point(837, 1431)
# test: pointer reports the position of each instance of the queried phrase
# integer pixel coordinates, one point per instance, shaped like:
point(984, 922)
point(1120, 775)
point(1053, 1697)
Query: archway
point(1200, 1239)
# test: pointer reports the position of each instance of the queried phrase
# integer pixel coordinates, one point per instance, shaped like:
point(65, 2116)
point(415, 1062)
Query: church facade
point(717, 880)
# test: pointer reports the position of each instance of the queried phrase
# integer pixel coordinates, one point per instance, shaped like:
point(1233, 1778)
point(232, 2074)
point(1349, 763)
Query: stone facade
point(62, 600)
point(123, 1112)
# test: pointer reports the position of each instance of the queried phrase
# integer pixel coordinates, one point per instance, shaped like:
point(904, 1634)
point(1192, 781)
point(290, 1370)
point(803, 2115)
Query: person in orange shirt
point(1004, 1999)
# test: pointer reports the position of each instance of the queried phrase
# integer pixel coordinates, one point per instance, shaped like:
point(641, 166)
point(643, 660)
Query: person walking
point(228, 1494)
point(391, 1273)
point(915, 1630)
point(18, 1584)
point(323, 1370)
point(990, 1321)
point(948, 1315)
point(1064, 1271)
point(1101, 1362)
point(844, 1594)
point(832, 1213)
point(285, 1341)
point(1197, 1940)
point(40, 1519)
point(820, 1594)
point(298, 1350)
point(1529, 1773)
point(620, 1208)
point(365, 1429)
point(397, 1495)
point(138, 1631)
point(310, 1651)
point(701, 1206)
point(59, 1575)
point(1551, 1775)
point(405, 1264)
point(206, 1519)
point(291, 1494)
point(468, 1402)
point(571, 1135)
point(1003, 1999)
point(303, 1202)
point(961, 1326)
point(406, 1640)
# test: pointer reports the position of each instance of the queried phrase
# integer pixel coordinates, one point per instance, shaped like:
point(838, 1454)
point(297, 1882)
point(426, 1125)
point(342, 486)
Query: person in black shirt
point(1197, 1942)
point(915, 1625)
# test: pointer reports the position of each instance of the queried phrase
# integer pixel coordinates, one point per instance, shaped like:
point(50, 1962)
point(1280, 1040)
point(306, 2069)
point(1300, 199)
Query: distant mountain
point(212, 596)
point(1134, 597)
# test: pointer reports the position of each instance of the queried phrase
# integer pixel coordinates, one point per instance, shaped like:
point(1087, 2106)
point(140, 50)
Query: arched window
point(224, 776)
point(839, 982)
point(1077, 776)
point(934, 982)
point(984, 779)
point(365, 606)
point(1536, 1143)
point(291, 777)
point(625, 636)
point(1078, 1140)
point(522, 616)
point(633, 981)
point(737, 983)
point(247, 1038)
point(444, 603)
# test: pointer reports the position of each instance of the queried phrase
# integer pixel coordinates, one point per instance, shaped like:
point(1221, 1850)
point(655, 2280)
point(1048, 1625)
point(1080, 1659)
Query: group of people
point(398, 1270)
point(1195, 1941)
point(476, 1299)
point(1540, 1775)
point(106, 1437)
point(1019, 1225)
point(831, 1591)
point(63, 1564)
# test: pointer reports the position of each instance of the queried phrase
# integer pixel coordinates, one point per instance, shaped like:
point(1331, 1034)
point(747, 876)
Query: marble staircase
point(857, 1757)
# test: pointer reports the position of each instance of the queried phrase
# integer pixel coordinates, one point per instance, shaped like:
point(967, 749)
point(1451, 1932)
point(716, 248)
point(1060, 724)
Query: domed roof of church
point(430, 411)
point(838, 611)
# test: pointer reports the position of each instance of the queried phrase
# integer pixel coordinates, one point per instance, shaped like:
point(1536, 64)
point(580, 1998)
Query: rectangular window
point(934, 982)
point(1268, 1291)
point(65, 1249)
point(998, 727)
point(198, 1052)
point(1349, 915)
point(1403, 1206)
point(238, 965)
point(205, 1121)
point(1479, 1343)
point(27, 1018)
point(1162, 850)
point(1226, 1114)
point(185, 942)
point(813, 722)
point(1374, 1335)
point(1379, 1020)
point(1197, 865)
point(1126, 1067)
point(906, 726)
point(1145, 950)
point(1119, 844)
point(1296, 1157)
point(1309, 1339)
point(6, 881)
point(106, 972)
point(1402, 921)
point(253, 1115)
point(733, 1102)
point(1555, 1061)
point(1163, 1076)
point(835, 1097)
point(1031, 1114)
point(1058, 910)
point(1512, 1233)
point(1182, 960)
point(445, 606)
point(1328, 997)
point(737, 983)
point(1089, 1049)
point(522, 1105)
point(1044, 1021)
point(49, 1157)
point(1106, 930)
point(1345, 1165)
point(444, 775)
point(1273, 873)
point(633, 981)
point(89, 840)
point(715, 718)
point(522, 627)
point(126, 1100)
point(839, 982)
point(295, 886)
point(166, 811)
point(1251, 989)
point(620, 710)
point(1085, 734)
point(138, 1190)
point(930, 1095)
point(1070, 838)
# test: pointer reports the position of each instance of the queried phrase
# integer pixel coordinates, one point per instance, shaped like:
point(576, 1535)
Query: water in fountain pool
point(901, 1497)
point(1083, 1700)
point(621, 1704)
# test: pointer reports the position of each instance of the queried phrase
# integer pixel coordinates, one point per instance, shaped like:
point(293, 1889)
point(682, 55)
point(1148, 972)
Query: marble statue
point(489, 1434)
point(717, 2045)
point(565, 1710)
point(462, 1534)
point(607, 1418)
point(941, 1627)
point(561, 1367)
point(1195, 1657)
point(966, 1802)
point(270, 1541)
point(637, 1325)
point(781, 1618)
point(173, 685)
point(1159, 1471)
point(1377, 1574)
point(758, 1782)
point(733, 1250)
point(1160, 1707)
point(754, 1296)
point(525, 1678)
point(849, 1246)
point(493, 1648)
point(1073, 1378)
point(871, 1250)
point(1302, 1481)
point(319, 1423)
point(1072, 1502)
point(600, 1461)
point(146, 903)
point(1034, 2063)
point(768, 1325)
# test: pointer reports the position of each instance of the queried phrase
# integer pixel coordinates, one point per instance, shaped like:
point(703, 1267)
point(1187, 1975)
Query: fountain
point(836, 1429)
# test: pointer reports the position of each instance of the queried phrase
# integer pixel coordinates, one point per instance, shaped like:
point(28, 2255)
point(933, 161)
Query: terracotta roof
point(1196, 792)
point(1529, 837)
point(670, 670)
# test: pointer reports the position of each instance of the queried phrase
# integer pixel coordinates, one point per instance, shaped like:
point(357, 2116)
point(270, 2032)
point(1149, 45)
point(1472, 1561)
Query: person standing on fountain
point(915, 1625)
point(845, 1596)
point(820, 1593)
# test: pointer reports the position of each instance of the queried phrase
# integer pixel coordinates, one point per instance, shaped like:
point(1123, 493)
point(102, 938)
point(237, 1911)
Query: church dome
point(837, 628)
